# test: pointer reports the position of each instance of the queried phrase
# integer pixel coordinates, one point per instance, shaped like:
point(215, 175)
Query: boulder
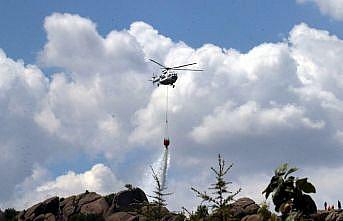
point(332, 216)
point(252, 218)
point(242, 207)
point(49, 217)
point(51, 205)
point(34, 211)
point(39, 218)
point(340, 217)
point(320, 215)
point(87, 197)
point(98, 207)
point(87, 202)
point(128, 199)
point(68, 207)
point(122, 216)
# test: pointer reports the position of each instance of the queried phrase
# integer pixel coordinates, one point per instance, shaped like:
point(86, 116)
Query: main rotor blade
point(183, 65)
point(186, 69)
point(159, 64)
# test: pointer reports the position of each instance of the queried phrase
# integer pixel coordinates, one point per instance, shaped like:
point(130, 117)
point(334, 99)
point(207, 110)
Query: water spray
point(166, 143)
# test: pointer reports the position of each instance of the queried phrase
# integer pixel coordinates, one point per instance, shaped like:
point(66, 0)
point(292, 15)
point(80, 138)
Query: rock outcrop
point(128, 200)
point(243, 207)
point(87, 204)
point(133, 205)
point(254, 217)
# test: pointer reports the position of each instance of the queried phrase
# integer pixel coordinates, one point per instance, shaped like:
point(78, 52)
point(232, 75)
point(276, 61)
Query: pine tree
point(159, 195)
point(221, 196)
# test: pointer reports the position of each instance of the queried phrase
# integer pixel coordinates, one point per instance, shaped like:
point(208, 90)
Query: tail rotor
point(153, 77)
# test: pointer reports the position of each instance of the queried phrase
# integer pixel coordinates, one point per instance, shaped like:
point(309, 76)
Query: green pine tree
point(159, 201)
point(220, 197)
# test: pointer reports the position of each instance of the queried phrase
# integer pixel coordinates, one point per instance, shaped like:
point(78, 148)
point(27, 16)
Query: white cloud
point(99, 179)
point(250, 119)
point(333, 8)
point(38, 186)
point(47, 120)
point(74, 43)
point(339, 136)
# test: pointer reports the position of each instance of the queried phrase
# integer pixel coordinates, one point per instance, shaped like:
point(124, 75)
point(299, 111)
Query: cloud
point(279, 102)
point(327, 184)
point(333, 8)
point(74, 43)
point(38, 186)
point(23, 142)
point(249, 118)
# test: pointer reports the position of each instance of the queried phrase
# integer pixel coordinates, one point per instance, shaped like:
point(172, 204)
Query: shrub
point(289, 193)
point(10, 214)
point(109, 198)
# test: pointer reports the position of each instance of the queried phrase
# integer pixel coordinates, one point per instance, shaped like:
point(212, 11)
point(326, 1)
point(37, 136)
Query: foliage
point(200, 213)
point(159, 192)
point(221, 197)
point(129, 186)
point(265, 214)
point(289, 192)
point(10, 214)
point(294, 216)
point(86, 217)
point(152, 211)
point(109, 198)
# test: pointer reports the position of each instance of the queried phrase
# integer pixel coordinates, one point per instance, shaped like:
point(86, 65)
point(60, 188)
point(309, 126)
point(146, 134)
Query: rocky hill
point(133, 205)
point(127, 205)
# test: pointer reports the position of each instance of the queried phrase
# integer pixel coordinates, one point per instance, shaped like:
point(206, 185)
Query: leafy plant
point(109, 198)
point(265, 214)
point(220, 198)
point(289, 193)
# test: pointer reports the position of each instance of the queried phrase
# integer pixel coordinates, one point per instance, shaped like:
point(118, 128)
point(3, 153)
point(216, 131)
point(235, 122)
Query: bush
point(10, 214)
point(289, 193)
point(109, 198)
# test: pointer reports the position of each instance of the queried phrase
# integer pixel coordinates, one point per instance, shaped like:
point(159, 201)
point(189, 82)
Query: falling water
point(161, 168)
point(164, 168)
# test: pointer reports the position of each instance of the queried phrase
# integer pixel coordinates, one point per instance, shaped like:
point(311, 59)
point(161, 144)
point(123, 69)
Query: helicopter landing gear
point(173, 85)
point(158, 85)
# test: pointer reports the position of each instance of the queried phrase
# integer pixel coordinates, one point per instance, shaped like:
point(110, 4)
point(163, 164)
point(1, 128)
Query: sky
point(77, 111)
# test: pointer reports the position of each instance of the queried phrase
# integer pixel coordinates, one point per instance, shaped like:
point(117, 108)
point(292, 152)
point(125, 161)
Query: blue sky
point(239, 24)
point(79, 112)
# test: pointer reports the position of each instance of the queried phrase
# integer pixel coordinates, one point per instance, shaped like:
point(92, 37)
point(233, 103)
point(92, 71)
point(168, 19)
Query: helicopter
point(169, 76)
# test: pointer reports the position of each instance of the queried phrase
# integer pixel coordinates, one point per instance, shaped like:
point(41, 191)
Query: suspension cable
point(167, 100)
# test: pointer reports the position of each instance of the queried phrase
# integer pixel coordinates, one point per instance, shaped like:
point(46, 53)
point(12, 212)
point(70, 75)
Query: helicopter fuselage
point(167, 78)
